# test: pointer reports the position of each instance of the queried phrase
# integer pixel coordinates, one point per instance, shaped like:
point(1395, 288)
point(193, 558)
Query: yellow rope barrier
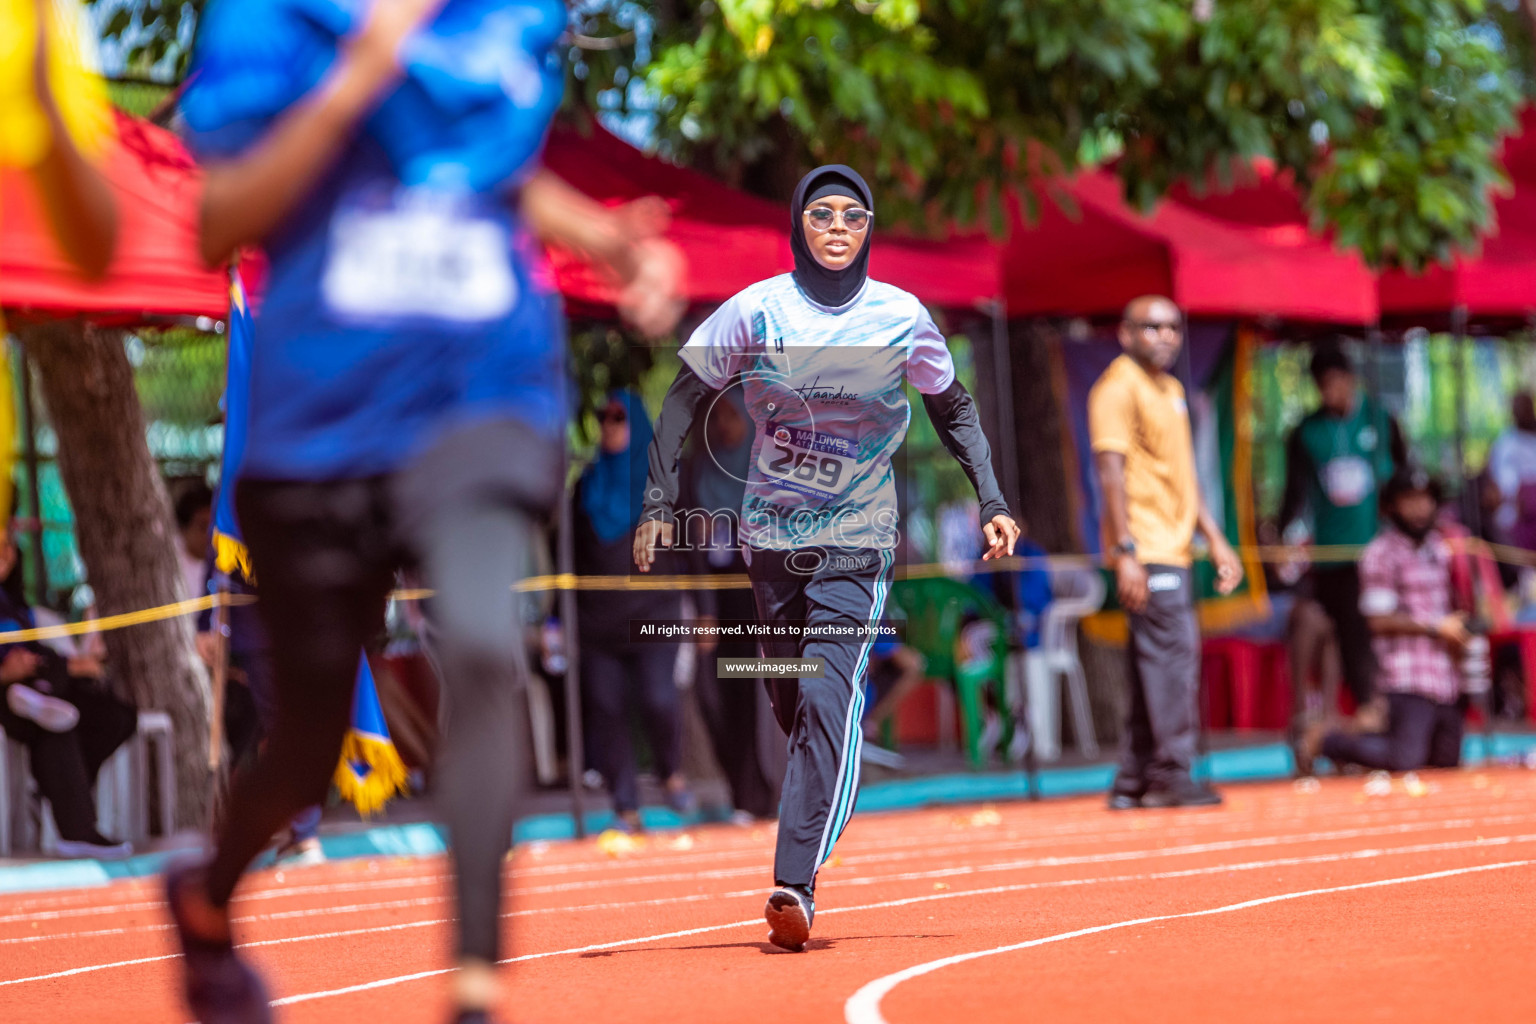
point(733, 581)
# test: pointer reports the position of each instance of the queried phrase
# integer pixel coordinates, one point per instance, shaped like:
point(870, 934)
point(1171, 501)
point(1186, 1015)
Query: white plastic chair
point(1076, 593)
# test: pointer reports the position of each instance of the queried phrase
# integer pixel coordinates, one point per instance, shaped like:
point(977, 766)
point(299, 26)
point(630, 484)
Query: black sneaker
point(1123, 801)
point(220, 987)
point(473, 1017)
point(1184, 793)
point(789, 914)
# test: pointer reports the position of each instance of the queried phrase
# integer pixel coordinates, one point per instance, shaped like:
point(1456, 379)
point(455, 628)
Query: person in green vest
point(1337, 459)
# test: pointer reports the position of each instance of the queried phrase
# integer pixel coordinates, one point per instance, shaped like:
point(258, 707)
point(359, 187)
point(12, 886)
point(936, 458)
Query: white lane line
point(1163, 828)
point(882, 905)
point(595, 947)
point(1165, 824)
point(1326, 858)
point(863, 1007)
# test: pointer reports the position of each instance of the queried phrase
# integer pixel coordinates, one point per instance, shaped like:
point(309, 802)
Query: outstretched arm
point(246, 197)
point(678, 411)
point(954, 416)
point(78, 202)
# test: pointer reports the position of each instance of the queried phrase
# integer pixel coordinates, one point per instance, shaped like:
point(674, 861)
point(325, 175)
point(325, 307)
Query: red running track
point(1281, 906)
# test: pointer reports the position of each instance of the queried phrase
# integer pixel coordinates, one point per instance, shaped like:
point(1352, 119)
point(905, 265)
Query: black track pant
point(325, 555)
point(844, 587)
point(615, 677)
point(65, 764)
point(1337, 589)
point(1163, 721)
point(1420, 734)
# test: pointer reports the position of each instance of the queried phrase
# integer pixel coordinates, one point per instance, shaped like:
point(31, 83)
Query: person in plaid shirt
point(1406, 597)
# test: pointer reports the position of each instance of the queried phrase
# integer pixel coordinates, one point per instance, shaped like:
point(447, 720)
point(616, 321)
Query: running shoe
point(220, 987)
point(789, 913)
point(305, 853)
point(1183, 793)
point(473, 1017)
point(95, 848)
point(49, 712)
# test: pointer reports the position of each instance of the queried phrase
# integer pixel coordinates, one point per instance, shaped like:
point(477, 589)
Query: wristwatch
point(1125, 547)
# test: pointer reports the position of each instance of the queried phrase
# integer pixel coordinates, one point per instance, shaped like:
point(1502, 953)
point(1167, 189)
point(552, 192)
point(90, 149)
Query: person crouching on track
point(821, 354)
point(1139, 427)
point(1406, 598)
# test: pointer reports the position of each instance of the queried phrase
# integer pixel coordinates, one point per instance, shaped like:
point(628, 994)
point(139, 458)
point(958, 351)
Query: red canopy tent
point(156, 271)
point(1210, 266)
point(732, 239)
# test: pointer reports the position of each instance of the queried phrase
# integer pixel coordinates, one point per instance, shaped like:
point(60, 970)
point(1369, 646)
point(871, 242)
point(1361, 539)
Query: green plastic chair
point(935, 608)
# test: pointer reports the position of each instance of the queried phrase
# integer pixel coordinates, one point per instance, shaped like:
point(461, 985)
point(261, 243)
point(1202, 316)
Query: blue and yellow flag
point(370, 772)
point(229, 550)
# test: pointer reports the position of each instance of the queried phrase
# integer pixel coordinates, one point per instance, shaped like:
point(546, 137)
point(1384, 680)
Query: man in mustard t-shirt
point(1145, 460)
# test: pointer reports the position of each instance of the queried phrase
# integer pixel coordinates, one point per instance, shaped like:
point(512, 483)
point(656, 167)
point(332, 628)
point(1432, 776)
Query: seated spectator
point(1419, 637)
point(61, 709)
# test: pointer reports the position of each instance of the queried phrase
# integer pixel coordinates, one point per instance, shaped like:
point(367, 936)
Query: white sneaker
point(80, 849)
point(306, 853)
point(49, 712)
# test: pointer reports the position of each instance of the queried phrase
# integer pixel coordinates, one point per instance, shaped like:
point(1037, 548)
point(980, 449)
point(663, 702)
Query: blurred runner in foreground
point(823, 354)
point(407, 397)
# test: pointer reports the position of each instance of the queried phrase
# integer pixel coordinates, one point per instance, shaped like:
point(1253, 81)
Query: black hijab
point(828, 287)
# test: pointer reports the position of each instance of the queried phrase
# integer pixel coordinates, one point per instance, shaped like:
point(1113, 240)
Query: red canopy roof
point(1209, 265)
point(156, 271)
point(732, 239)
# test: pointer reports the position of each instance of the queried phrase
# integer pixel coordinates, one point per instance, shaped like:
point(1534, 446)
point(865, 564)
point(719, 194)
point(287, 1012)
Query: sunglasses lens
point(857, 220)
point(820, 218)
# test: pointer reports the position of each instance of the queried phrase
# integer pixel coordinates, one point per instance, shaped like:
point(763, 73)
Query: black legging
point(325, 554)
point(65, 764)
point(615, 677)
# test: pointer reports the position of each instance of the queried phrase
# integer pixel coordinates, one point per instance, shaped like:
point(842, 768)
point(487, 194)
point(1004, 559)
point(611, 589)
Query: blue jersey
point(823, 386)
point(405, 299)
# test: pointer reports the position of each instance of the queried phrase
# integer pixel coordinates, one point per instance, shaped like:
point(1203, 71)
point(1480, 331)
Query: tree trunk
point(1046, 473)
point(126, 535)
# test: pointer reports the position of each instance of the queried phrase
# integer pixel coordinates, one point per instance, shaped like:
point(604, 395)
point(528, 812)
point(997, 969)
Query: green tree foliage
point(1386, 112)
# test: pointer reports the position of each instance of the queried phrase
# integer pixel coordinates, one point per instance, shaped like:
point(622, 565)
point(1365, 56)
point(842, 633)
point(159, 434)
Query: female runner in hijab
point(820, 355)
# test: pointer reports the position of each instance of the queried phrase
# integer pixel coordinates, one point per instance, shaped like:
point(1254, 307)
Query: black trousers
point(326, 555)
point(1421, 733)
point(616, 678)
point(1162, 725)
point(844, 587)
point(65, 764)
point(732, 710)
point(1337, 589)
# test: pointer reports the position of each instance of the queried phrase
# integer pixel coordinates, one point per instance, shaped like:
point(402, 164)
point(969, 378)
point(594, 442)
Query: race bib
point(419, 254)
point(808, 461)
point(1348, 480)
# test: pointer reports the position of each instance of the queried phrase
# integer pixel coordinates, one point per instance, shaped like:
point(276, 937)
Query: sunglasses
point(614, 415)
point(855, 219)
point(1155, 327)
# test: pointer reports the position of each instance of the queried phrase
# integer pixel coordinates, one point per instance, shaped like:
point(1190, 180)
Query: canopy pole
point(1459, 336)
point(575, 756)
point(29, 457)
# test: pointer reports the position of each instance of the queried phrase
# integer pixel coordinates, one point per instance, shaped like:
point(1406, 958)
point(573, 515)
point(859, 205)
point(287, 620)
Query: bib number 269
point(807, 467)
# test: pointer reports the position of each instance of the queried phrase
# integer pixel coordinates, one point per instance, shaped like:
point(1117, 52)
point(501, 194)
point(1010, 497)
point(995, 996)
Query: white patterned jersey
point(823, 386)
